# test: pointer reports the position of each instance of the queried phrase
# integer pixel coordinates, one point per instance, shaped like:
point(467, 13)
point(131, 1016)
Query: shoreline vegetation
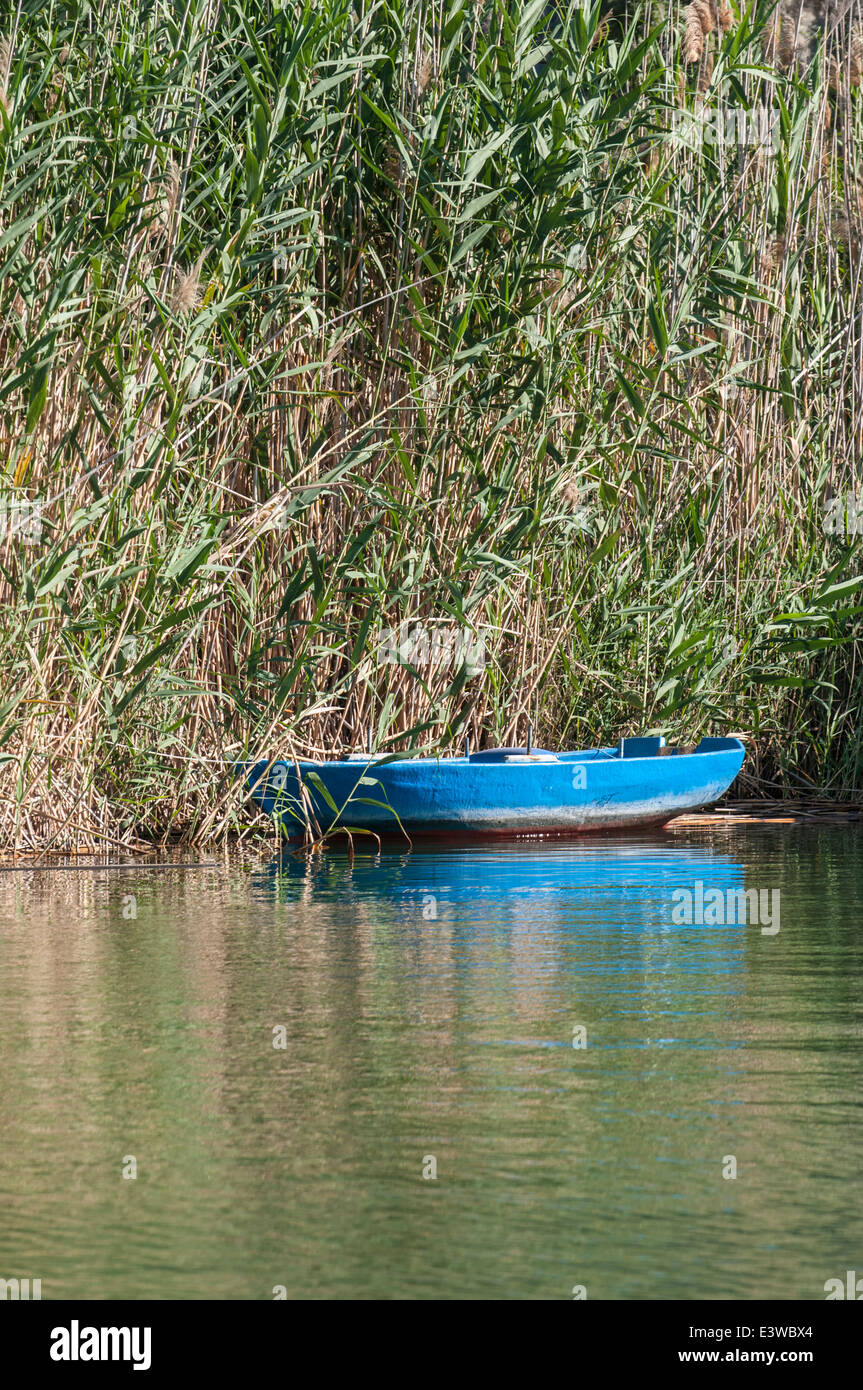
point(528, 331)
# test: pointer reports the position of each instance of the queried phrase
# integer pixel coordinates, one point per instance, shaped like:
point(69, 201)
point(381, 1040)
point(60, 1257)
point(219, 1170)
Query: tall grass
point(320, 318)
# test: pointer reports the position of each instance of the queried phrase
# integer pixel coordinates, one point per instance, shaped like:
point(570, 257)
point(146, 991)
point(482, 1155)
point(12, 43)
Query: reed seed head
point(699, 21)
point(571, 492)
point(602, 29)
point(424, 73)
point(785, 47)
point(169, 198)
point(186, 294)
point(772, 256)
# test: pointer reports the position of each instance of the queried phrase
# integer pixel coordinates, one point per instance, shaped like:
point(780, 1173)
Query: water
point(429, 1004)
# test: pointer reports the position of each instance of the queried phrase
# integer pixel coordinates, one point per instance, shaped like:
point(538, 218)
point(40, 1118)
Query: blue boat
point(500, 791)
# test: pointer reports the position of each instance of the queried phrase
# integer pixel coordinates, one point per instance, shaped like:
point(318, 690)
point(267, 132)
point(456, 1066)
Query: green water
point(428, 1005)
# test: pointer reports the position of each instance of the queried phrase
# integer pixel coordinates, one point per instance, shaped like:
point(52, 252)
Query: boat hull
point(565, 794)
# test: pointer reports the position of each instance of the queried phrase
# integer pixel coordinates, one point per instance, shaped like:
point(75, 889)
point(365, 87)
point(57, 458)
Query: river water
point(476, 1073)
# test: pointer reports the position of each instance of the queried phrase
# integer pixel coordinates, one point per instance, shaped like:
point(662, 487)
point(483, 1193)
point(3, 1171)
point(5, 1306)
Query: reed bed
point(525, 322)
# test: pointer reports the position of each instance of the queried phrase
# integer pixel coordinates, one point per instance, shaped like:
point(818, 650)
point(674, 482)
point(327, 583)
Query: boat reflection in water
point(523, 945)
point(631, 886)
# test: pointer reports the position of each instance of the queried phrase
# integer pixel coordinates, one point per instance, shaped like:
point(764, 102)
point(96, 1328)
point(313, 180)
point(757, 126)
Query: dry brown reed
point(699, 19)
